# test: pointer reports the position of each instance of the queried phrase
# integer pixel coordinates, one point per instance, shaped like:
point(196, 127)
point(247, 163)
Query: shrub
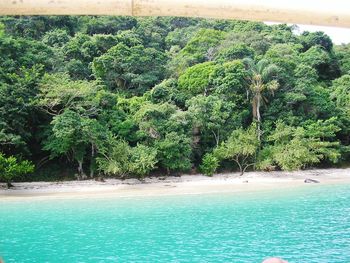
point(209, 164)
point(122, 159)
point(10, 168)
point(143, 160)
point(115, 161)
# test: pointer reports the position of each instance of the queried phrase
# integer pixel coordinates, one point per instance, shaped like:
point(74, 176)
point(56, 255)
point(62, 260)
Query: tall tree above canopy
point(260, 80)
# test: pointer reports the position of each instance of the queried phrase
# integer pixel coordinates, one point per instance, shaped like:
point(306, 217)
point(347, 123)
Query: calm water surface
point(308, 224)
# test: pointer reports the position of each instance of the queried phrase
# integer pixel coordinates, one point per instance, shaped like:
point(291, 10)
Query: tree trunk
point(91, 161)
point(254, 105)
point(256, 113)
point(217, 137)
point(81, 174)
point(9, 185)
point(258, 117)
point(240, 166)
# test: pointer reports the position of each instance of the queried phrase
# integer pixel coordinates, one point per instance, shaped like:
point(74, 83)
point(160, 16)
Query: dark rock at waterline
point(311, 181)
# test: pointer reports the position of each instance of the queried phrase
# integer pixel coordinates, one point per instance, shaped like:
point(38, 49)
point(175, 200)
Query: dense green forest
point(84, 96)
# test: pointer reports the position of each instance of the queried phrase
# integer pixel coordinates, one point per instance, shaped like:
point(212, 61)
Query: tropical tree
point(11, 167)
point(137, 68)
point(143, 160)
point(212, 115)
point(174, 152)
point(59, 93)
point(294, 148)
point(74, 136)
point(260, 81)
point(241, 147)
point(196, 79)
point(120, 159)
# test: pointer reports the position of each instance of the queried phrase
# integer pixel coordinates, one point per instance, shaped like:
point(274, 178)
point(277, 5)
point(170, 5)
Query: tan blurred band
point(321, 12)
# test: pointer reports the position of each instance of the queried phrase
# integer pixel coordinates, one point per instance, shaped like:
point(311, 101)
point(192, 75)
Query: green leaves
point(196, 80)
point(120, 159)
point(11, 167)
point(143, 160)
point(241, 147)
point(140, 94)
point(174, 152)
point(341, 93)
point(209, 164)
point(295, 148)
point(58, 93)
point(136, 68)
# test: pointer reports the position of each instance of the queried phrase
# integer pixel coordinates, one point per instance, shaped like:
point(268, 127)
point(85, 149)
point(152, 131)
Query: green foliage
point(235, 51)
point(213, 115)
point(143, 160)
point(36, 26)
point(11, 167)
point(286, 57)
point(115, 159)
point(343, 56)
point(241, 147)
point(58, 93)
point(119, 159)
point(209, 164)
point(229, 81)
point(196, 79)
point(2, 29)
point(56, 38)
point(109, 24)
point(200, 48)
point(315, 57)
point(341, 93)
point(261, 79)
point(295, 148)
point(128, 96)
point(73, 135)
point(126, 68)
point(17, 113)
point(174, 152)
point(309, 40)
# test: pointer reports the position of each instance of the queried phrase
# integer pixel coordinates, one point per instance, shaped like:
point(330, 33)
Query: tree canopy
point(124, 96)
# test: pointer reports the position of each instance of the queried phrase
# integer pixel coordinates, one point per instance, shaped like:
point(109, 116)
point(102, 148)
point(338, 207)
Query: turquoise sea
point(310, 224)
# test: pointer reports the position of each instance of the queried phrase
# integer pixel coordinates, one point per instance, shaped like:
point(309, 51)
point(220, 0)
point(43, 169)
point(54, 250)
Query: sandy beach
point(186, 184)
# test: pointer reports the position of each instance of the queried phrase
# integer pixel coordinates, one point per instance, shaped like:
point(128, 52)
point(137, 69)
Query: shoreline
point(165, 186)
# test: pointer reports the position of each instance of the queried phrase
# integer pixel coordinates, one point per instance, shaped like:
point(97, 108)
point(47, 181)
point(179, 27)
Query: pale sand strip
point(187, 184)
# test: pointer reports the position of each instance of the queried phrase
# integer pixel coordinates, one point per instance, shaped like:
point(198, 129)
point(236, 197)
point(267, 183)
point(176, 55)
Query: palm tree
point(260, 78)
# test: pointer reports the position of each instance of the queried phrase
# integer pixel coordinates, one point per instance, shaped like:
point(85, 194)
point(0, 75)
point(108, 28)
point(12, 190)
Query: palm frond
point(249, 64)
point(262, 65)
point(269, 72)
